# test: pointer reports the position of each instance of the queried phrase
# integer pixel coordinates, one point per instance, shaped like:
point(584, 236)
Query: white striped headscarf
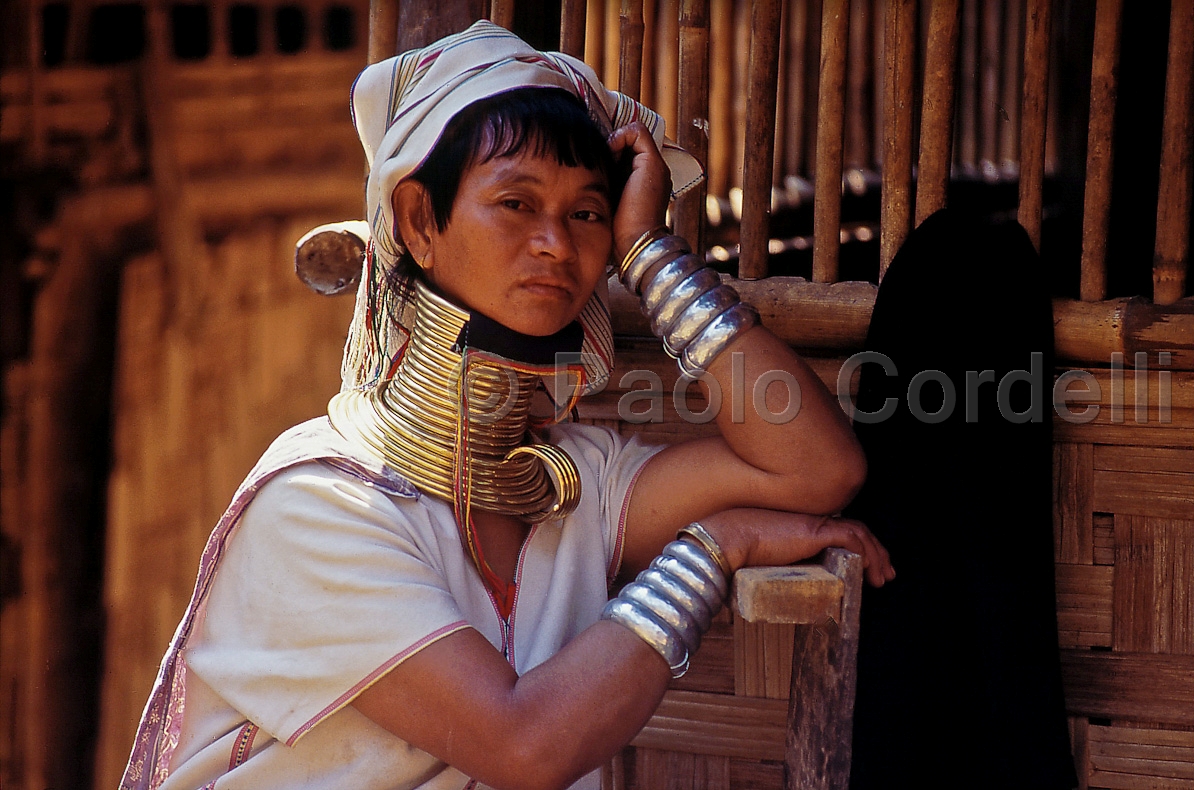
point(400, 108)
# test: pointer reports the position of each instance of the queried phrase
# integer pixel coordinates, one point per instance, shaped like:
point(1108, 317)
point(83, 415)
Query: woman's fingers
point(644, 197)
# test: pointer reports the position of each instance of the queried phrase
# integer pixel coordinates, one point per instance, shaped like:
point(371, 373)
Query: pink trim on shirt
point(509, 630)
point(243, 744)
point(615, 563)
point(368, 680)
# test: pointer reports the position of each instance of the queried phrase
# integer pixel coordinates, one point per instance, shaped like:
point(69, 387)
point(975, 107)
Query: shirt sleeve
point(616, 462)
point(324, 587)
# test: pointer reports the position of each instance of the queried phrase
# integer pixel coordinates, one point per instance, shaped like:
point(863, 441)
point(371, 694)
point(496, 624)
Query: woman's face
point(526, 243)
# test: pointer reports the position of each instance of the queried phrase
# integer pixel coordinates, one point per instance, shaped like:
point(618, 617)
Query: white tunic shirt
point(329, 581)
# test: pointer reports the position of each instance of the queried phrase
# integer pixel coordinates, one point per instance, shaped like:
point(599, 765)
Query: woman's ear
point(414, 219)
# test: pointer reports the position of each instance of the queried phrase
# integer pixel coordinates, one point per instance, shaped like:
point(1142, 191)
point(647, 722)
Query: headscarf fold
point(400, 107)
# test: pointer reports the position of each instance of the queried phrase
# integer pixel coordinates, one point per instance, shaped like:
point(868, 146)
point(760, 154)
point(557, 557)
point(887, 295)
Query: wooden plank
point(763, 659)
point(1033, 106)
point(824, 670)
point(1084, 603)
point(1129, 686)
point(1180, 432)
point(762, 84)
point(1073, 525)
point(804, 594)
point(896, 197)
point(1171, 253)
point(1104, 539)
point(717, 724)
point(937, 108)
point(827, 200)
point(756, 775)
point(1166, 460)
point(1160, 495)
point(1080, 745)
point(1132, 757)
point(1104, 88)
point(1154, 592)
point(712, 668)
point(661, 770)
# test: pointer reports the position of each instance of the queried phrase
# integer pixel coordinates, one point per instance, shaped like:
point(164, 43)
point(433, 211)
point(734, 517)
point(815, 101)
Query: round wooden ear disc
point(328, 259)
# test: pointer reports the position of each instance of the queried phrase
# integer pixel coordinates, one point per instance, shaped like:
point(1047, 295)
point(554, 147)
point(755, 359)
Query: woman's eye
point(514, 203)
point(585, 215)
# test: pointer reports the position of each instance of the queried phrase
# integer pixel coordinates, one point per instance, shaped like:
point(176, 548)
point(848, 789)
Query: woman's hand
point(751, 537)
point(647, 191)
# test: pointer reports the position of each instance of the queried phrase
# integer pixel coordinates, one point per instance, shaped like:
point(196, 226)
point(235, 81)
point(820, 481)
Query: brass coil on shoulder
point(413, 422)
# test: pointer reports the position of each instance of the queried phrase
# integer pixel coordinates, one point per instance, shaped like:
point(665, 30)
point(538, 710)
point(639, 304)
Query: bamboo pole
point(37, 113)
point(693, 129)
point(1100, 151)
point(613, 43)
point(742, 75)
point(879, 69)
point(1034, 106)
point(896, 195)
point(649, 72)
point(1009, 100)
point(220, 48)
point(383, 29)
point(827, 200)
point(667, 67)
point(573, 17)
point(501, 13)
point(812, 84)
point(966, 148)
point(630, 25)
point(988, 143)
point(760, 129)
point(937, 113)
point(858, 87)
point(795, 29)
point(1171, 255)
point(721, 83)
point(595, 37)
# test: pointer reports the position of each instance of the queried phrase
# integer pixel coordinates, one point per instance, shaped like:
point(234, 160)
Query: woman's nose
point(554, 238)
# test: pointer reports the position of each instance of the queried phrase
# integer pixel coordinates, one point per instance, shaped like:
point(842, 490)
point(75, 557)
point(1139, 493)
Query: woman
point(413, 591)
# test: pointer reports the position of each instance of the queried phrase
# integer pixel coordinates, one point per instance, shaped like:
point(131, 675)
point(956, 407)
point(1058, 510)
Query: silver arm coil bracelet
point(689, 308)
point(672, 603)
point(661, 249)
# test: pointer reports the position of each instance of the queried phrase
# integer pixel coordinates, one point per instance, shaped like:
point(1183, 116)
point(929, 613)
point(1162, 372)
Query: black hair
point(540, 121)
point(545, 122)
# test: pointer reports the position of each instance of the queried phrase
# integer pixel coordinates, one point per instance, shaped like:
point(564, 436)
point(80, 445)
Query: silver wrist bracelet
point(672, 603)
point(689, 308)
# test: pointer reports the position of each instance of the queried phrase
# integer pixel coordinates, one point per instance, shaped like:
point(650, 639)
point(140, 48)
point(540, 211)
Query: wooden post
point(649, 74)
point(812, 85)
point(1034, 106)
point(630, 59)
point(1171, 254)
point(693, 129)
point(1100, 152)
point(383, 29)
point(1010, 97)
point(613, 44)
point(899, 48)
point(937, 113)
point(501, 13)
point(573, 17)
point(827, 200)
point(824, 672)
point(760, 130)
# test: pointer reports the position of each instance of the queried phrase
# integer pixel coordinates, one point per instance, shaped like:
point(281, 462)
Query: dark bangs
point(544, 122)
